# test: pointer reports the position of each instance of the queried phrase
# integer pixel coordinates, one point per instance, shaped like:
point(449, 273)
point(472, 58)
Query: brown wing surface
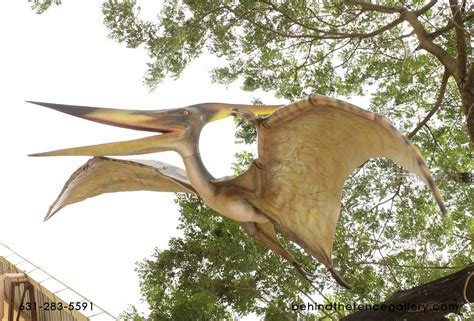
point(306, 152)
point(108, 175)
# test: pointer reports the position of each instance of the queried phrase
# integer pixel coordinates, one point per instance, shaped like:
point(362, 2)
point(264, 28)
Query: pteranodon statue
point(306, 151)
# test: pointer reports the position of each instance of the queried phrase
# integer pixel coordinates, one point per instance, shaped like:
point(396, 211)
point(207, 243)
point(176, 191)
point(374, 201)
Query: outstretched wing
point(306, 151)
point(107, 175)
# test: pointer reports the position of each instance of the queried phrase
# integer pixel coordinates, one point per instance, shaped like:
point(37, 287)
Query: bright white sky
point(64, 56)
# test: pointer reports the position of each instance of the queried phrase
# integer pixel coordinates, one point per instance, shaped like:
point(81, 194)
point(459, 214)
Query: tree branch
point(426, 43)
point(260, 295)
point(460, 40)
point(265, 27)
point(424, 38)
point(392, 24)
point(326, 34)
point(450, 25)
point(467, 95)
point(333, 33)
point(404, 265)
point(320, 19)
point(437, 104)
point(380, 234)
point(367, 6)
point(437, 145)
point(459, 252)
point(429, 301)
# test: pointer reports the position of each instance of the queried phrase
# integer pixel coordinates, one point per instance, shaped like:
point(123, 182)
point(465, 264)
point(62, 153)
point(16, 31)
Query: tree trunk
point(429, 301)
point(467, 96)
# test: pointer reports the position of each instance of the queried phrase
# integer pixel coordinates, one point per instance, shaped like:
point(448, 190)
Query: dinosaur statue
point(306, 151)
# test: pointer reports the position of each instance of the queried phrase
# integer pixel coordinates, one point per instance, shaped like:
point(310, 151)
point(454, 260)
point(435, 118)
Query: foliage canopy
point(414, 58)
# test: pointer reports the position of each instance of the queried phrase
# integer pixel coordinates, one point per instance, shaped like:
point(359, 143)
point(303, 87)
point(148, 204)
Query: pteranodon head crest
point(179, 128)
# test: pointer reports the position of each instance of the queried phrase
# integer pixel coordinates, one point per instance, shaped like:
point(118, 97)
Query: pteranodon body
point(306, 151)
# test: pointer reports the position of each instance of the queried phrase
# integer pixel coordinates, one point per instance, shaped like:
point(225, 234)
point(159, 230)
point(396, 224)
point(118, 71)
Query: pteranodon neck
point(227, 204)
point(198, 175)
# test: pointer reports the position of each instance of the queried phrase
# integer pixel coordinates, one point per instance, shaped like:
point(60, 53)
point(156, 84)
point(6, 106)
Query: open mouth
point(172, 124)
point(169, 123)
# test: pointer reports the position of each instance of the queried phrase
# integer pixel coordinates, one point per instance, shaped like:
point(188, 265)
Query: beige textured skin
point(306, 152)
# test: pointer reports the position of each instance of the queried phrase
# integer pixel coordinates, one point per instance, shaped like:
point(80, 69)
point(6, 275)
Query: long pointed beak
point(147, 120)
point(171, 123)
point(152, 144)
point(168, 122)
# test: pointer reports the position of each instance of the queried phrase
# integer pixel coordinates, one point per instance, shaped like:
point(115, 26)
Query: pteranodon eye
point(185, 113)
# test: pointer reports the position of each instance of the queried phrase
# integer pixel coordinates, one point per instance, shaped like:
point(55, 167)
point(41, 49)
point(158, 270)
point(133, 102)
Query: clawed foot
point(245, 117)
point(302, 271)
point(338, 278)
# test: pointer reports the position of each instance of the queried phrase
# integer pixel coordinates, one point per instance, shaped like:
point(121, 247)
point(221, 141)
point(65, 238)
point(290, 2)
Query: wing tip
point(437, 194)
point(54, 208)
point(50, 214)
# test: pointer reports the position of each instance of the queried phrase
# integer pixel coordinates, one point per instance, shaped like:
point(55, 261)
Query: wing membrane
point(108, 175)
point(307, 150)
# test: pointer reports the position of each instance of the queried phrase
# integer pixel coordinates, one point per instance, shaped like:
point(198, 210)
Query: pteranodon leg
point(339, 278)
point(265, 233)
